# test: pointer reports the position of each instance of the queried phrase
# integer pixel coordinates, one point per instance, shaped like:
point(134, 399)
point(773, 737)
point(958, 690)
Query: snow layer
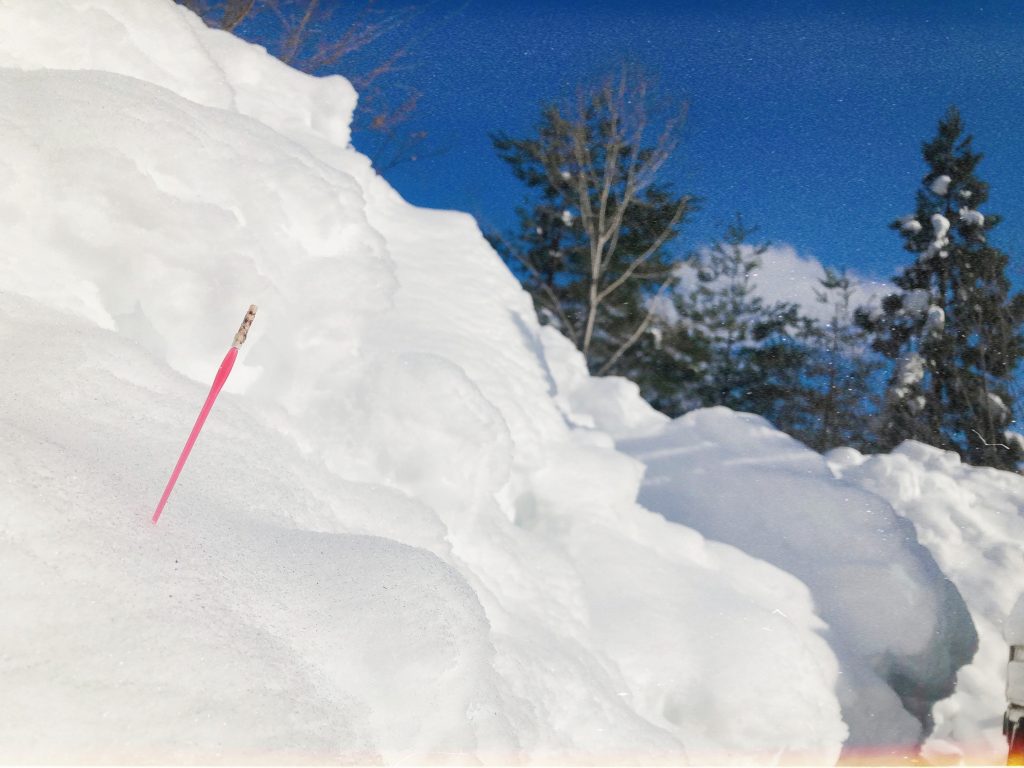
point(911, 225)
point(396, 540)
point(899, 627)
point(970, 520)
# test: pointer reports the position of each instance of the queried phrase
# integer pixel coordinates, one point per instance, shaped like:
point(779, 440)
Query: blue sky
point(807, 118)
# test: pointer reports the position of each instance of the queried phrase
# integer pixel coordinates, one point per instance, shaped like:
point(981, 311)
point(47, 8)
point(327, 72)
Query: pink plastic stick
point(218, 383)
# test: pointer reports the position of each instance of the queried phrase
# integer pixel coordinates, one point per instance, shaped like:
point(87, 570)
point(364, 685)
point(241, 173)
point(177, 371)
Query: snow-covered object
point(899, 627)
point(911, 225)
point(972, 218)
point(396, 546)
point(940, 185)
point(940, 227)
point(940, 230)
point(970, 519)
point(995, 405)
point(936, 320)
point(916, 301)
point(1015, 679)
point(910, 370)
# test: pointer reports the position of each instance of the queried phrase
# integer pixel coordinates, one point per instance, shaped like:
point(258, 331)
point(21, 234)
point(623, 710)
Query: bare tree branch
point(665, 234)
point(235, 12)
point(604, 216)
point(638, 333)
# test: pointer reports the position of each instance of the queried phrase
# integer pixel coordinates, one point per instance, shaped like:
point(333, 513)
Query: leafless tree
point(592, 251)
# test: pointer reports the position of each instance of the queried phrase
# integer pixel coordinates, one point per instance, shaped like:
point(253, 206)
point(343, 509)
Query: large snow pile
point(898, 625)
point(391, 542)
point(970, 518)
point(407, 533)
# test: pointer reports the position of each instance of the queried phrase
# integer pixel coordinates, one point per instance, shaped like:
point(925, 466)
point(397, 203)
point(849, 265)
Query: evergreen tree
point(954, 330)
point(670, 364)
point(748, 352)
point(839, 376)
point(591, 246)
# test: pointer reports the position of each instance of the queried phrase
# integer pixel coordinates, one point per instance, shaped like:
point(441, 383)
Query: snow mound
point(969, 518)
point(396, 540)
point(272, 619)
point(899, 627)
point(611, 401)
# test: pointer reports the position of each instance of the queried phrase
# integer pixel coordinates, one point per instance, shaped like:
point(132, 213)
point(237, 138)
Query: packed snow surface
point(390, 543)
point(970, 519)
point(900, 629)
point(412, 528)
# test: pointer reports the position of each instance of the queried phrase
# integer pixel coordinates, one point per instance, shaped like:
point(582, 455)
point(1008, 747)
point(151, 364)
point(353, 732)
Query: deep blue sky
point(806, 117)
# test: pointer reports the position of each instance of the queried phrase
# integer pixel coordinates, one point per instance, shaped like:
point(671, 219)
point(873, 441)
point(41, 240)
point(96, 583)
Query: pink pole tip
point(218, 383)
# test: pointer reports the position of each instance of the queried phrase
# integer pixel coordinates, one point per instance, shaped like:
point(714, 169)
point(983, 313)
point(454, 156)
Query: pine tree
point(954, 330)
point(591, 246)
point(839, 376)
point(749, 353)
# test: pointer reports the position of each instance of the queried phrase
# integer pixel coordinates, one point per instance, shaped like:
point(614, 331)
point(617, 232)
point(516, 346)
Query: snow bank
point(969, 518)
point(278, 614)
point(394, 541)
point(898, 625)
point(613, 402)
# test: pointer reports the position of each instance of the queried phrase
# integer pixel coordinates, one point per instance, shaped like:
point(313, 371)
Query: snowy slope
point(898, 626)
point(393, 541)
point(970, 519)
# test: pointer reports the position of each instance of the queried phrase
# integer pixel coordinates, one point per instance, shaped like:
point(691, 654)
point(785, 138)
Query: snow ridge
point(391, 543)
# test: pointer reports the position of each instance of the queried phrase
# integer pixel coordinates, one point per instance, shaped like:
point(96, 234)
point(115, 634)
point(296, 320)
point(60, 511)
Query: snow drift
point(898, 625)
point(970, 519)
point(403, 534)
point(392, 547)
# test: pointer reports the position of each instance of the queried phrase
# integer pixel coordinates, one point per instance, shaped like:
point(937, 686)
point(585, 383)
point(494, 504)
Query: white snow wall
point(389, 543)
point(897, 623)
